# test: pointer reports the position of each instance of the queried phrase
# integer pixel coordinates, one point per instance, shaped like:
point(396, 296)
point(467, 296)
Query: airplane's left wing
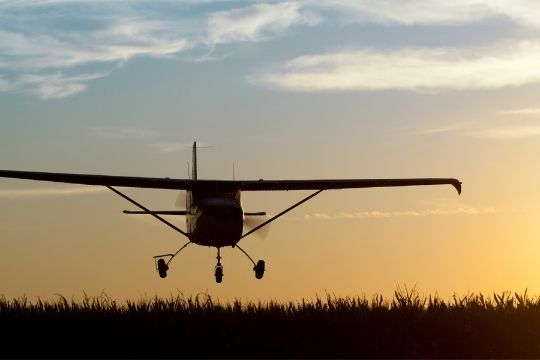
point(269, 185)
point(105, 180)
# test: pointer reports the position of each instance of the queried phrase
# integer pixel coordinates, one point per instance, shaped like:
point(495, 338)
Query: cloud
point(523, 125)
point(487, 131)
point(417, 69)
point(166, 147)
point(439, 130)
point(125, 132)
point(150, 138)
point(54, 42)
point(507, 132)
point(51, 86)
point(4, 84)
point(377, 214)
point(45, 192)
point(46, 47)
point(410, 12)
point(256, 22)
point(524, 112)
point(435, 12)
point(120, 40)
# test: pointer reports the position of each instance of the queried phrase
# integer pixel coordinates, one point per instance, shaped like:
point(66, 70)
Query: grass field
point(408, 325)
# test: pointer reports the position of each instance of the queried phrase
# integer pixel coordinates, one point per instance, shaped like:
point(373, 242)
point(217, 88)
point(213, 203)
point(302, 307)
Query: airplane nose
point(224, 212)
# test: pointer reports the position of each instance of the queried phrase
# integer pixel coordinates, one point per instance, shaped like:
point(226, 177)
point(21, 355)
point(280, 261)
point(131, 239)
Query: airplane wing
point(245, 185)
point(262, 185)
point(105, 180)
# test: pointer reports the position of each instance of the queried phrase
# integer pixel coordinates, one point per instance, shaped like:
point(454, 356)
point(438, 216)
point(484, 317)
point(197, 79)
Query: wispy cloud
point(508, 132)
point(166, 147)
point(523, 125)
point(377, 214)
point(47, 46)
point(53, 42)
point(149, 138)
point(45, 192)
point(257, 22)
point(524, 112)
point(4, 84)
point(439, 130)
point(419, 69)
point(435, 12)
point(492, 131)
point(51, 48)
point(125, 132)
point(51, 86)
point(119, 41)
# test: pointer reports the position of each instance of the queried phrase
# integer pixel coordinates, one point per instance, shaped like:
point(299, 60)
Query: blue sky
point(57, 49)
point(294, 89)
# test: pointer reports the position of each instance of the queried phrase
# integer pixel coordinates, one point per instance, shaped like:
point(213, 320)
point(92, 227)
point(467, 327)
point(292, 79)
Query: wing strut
point(281, 214)
point(148, 211)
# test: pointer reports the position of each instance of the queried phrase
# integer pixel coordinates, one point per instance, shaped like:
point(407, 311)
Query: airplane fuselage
point(214, 219)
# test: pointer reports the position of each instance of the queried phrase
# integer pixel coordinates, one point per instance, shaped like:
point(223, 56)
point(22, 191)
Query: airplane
point(214, 214)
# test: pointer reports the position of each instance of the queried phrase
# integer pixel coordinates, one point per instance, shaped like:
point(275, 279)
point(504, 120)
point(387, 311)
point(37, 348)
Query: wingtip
point(457, 185)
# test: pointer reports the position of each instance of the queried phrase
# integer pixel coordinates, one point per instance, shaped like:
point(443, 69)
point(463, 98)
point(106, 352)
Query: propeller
point(180, 202)
point(251, 222)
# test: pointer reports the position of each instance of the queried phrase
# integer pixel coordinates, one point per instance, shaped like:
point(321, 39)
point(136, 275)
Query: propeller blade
point(252, 222)
point(181, 200)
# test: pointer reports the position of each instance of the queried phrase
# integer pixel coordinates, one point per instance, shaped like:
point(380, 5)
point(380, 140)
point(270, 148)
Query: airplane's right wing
point(105, 180)
point(273, 185)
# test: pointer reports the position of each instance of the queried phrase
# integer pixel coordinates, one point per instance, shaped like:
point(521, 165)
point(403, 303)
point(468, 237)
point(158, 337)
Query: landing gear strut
point(162, 266)
point(259, 267)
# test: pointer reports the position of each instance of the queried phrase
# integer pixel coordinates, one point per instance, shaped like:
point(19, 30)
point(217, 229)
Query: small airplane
point(214, 214)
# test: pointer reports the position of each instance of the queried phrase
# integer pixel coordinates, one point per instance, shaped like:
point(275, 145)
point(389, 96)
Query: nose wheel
point(218, 271)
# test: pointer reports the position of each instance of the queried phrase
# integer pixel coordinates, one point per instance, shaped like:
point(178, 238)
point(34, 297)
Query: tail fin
point(194, 162)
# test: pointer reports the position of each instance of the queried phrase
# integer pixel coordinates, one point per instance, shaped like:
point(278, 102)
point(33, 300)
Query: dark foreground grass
point(409, 325)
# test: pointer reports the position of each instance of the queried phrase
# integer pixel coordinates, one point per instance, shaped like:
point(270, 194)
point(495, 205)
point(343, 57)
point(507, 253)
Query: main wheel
point(219, 274)
point(259, 269)
point(162, 268)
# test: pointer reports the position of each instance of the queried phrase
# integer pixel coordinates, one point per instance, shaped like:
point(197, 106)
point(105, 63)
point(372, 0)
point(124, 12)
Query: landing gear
point(162, 268)
point(218, 272)
point(259, 269)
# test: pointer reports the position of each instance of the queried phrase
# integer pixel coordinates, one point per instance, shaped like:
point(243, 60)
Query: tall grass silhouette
point(408, 325)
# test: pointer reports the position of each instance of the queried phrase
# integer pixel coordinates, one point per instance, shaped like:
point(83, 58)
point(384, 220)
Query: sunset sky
point(282, 90)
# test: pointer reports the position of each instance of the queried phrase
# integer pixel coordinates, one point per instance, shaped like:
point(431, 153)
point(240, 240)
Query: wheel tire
point(219, 274)
point(162, 268)
point(259, 269)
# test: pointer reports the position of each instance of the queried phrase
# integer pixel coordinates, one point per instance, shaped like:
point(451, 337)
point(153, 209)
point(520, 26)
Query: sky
point(277, 90)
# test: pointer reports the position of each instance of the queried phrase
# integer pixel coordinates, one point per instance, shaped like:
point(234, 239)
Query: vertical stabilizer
point(194, 162)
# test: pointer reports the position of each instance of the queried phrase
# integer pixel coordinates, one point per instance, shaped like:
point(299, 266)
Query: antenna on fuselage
point(188, 172)
point(194, 162)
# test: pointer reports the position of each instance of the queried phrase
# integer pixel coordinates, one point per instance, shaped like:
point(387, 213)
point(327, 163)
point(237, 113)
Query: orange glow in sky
point(284, 90)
